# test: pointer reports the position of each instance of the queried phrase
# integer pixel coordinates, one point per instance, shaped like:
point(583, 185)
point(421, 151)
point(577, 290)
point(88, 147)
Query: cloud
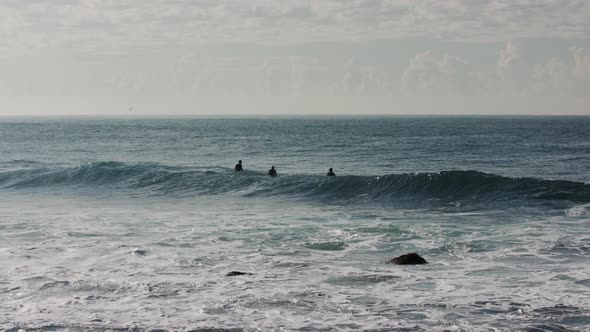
point(553, 77)
point(581, 61)
point(434, 72)
point(113, 24)
point(366, 50)
point(569, 76)
point(509, 57)
point(514, 72)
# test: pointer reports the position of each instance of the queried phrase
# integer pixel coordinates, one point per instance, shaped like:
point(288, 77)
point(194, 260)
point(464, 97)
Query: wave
point(453, 186)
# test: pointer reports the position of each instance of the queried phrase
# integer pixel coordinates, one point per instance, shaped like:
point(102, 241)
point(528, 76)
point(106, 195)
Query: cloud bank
point(294, 56)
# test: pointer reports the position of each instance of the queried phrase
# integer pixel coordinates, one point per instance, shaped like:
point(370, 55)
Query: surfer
point(272, 171)
point(238, 167)
point(331, 172)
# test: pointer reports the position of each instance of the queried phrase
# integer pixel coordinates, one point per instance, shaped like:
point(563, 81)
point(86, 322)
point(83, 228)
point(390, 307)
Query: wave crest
point(444, 186)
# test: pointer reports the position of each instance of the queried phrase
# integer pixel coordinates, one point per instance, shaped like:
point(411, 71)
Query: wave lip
point(445, 186)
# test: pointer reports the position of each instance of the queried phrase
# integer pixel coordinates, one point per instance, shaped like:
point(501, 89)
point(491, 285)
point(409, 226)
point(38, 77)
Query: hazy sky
point(294, 56)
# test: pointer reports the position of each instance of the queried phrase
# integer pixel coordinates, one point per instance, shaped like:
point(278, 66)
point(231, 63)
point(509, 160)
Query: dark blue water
point(548, 148)
point(98, 215)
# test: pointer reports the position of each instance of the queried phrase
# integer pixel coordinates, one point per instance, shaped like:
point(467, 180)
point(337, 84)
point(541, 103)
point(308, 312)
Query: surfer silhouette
point(238, 167)
point(272, 171)
point(331, 172)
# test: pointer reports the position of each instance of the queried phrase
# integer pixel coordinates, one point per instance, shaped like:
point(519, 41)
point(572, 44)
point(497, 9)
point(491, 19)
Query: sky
point(138, 57)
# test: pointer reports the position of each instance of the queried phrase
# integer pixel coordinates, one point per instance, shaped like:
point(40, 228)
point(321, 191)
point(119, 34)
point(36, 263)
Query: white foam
point(578, 211)
point(87, 275)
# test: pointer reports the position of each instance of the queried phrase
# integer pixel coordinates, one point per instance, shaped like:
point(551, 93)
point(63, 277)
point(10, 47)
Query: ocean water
point(133, 224)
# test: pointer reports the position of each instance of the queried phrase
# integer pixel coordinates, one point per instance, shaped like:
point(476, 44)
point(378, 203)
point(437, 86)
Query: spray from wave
point(444, 186)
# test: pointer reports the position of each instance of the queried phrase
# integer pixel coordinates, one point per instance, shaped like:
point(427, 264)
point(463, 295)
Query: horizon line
point(213, 115)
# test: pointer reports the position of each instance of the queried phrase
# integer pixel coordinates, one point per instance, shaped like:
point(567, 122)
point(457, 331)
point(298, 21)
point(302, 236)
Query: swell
point(444, 186)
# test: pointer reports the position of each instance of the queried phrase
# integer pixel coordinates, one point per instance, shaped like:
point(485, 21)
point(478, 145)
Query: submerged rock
point(238, 273)
point(408, 259)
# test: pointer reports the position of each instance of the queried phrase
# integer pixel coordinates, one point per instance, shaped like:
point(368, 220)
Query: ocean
point(131, 224)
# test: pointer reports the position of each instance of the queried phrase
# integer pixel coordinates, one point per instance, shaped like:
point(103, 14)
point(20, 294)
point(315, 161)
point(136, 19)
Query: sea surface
point(132, 224)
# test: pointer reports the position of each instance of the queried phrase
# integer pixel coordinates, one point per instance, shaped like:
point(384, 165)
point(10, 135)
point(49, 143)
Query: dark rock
point(139, 252)
point(237, 273)
point(408, 259)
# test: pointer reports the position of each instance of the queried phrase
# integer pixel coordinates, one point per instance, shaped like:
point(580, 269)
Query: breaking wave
point(444, 186)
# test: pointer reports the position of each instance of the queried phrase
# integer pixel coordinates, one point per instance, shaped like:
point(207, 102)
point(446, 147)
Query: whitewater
point(111, 224)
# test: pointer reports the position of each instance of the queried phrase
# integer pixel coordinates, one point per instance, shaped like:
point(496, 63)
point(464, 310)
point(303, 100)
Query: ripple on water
point(327, 246)
point(361, 279)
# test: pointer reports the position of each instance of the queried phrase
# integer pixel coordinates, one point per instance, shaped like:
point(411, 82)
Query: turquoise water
point(109, 224)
